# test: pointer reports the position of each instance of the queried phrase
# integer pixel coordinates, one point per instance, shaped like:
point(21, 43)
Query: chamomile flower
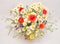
point(28, 32)
point(18, 30)
point(25, 23)
point(32, 27)
point(33, 5)
point(32, 36)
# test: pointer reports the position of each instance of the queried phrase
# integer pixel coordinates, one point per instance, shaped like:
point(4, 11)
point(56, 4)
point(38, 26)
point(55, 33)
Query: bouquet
point(30, 21)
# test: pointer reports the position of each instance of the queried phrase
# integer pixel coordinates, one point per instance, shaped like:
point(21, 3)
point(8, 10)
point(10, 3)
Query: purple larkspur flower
point(21, 25)
point(16, 27)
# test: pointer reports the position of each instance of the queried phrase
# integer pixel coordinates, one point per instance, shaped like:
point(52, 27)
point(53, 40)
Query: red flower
point(41, 26)
point(44, 11)
point(20, 9)
point(21, 20)
point(32, 17)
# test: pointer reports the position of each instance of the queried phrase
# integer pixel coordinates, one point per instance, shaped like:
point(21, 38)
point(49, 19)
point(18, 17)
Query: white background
point(6, 5)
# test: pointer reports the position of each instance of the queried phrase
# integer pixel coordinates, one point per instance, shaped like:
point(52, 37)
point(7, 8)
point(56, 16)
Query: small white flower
point(28, 32)
point(32, 27)
point(24, 29)
point(25, 23)
point(25, 20)
point(19, 31)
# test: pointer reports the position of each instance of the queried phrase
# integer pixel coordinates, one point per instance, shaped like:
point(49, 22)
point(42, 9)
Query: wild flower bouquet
point(29, 21)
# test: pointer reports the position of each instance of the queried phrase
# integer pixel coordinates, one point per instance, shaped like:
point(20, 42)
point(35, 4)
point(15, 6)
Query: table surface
point(6, 5)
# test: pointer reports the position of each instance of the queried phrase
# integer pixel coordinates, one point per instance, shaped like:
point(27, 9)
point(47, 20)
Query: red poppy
point(41, 26)
point(21, 20)
point(44, 11)
point(32, 17)
point(20, 9)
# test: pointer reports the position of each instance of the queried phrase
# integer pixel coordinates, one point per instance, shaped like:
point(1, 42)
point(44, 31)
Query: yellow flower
point(28, 13)
point(32, 36)
point(44, 16)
